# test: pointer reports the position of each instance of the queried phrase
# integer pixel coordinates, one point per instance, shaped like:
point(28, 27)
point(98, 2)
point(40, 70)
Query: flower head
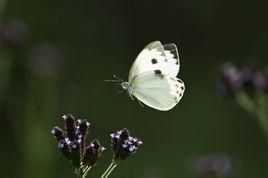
point(92, 152)
point(72, 143)
point(254, 79)
point(249, 79)
point(13, 33)
point(124, 145)
point(214, 164)
point(231, 80)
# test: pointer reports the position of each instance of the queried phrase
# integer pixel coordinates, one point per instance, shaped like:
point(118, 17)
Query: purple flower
point(64, 147)
point(13, 33)
point(253, 79)
point(71, 142)
point(231, 79)
point(58, 133)
point(250, 79)
point(93, 152)
point(124, 145)
point(215, 164)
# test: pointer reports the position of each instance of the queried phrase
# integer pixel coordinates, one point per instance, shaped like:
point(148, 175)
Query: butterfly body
point(153, 77)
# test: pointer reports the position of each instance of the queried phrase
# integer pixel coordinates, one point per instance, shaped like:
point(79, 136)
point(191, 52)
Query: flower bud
point(70, 126)
point(64, 147)
point(83, 127)
point(58, 133)
point(123, 144)
point(92, 153)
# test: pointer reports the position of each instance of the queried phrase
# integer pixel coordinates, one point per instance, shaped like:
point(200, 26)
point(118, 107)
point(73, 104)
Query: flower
point(214, 164)
point(13, 33)
point(92, 152)
point(249, 79)
point(71, 142)
point(124, 145)
point(254, 79)
point(231, 79)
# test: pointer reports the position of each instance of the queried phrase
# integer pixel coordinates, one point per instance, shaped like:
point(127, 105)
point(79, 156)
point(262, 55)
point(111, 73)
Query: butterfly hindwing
point(157, 58)
point(158, 91)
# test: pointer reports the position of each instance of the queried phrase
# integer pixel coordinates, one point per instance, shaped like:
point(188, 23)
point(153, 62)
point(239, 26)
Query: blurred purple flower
point(254, 79)
point(250, 79)
point(231, 76)
point(13, 33)
point(230, 80)
point(215, 164)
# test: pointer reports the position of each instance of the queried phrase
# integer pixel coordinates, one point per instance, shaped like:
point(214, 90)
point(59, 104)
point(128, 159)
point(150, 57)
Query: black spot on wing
point(180, 94)
point(182, 88)
point(154, 61)
point(157, 72)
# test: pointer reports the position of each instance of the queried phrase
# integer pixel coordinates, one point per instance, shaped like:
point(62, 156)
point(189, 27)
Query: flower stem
point(246, 102)
point(261, 112)
point(109, 170)
point(257, 106)
point(82, 172)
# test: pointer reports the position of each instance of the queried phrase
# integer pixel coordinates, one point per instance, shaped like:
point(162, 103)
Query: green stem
point(109, 170)
point(246, 102)
point(256, 106)
point(79, 173)
point(82, 171)
point(261, 112)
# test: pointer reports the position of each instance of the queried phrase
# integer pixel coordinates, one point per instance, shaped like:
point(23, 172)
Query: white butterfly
point(152, 77)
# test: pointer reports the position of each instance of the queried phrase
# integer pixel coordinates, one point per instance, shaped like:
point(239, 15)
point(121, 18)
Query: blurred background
point(54, 54)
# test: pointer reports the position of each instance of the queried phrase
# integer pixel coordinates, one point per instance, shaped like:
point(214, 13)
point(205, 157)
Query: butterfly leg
point(132, 98)
point(140, 103)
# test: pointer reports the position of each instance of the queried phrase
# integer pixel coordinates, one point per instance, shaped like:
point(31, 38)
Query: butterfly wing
point(159, 91)
point(161, 59)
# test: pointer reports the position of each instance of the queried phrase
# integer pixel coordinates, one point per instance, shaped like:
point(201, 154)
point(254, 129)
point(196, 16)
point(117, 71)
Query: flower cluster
point(248, 86)
point(13, 33)
point(72, 142)
point(123, 144)
point(249, 79)
point(213, 164)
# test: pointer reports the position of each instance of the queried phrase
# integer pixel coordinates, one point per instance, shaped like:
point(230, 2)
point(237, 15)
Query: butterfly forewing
point(157, 58)
point(172, 55)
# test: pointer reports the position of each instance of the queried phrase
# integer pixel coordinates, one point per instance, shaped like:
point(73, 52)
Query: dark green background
point(96, 39)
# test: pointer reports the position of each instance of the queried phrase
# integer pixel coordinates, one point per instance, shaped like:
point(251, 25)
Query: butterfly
point(153, 77)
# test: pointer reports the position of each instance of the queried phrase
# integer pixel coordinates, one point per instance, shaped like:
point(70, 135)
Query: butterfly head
point(125, 85)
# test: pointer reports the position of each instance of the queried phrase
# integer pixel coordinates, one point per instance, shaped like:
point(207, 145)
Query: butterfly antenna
point(119, 79)
point(115, 81)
